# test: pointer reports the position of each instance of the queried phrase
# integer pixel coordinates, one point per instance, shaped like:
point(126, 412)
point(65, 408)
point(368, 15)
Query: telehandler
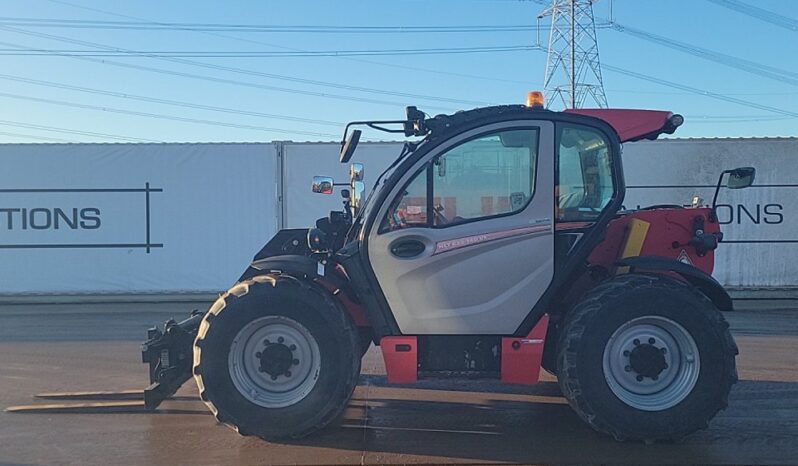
point(494, 245)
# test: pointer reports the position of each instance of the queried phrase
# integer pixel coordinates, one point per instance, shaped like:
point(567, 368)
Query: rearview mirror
point(322, 185)
point(356, 172)
point(358, 188)
point(348, 148)
point(740, 178)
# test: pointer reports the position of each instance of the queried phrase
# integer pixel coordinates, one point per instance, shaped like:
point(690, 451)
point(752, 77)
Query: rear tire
point(646, 357)
point(276, 357)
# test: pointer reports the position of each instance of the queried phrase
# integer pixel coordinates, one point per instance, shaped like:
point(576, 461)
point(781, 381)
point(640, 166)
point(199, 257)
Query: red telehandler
point(494, 245)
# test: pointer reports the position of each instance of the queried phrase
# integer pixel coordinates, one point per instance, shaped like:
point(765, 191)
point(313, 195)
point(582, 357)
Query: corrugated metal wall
point(162, 218)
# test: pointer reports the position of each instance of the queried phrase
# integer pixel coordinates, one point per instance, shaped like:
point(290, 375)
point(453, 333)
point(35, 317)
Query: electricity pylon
point(573, 71)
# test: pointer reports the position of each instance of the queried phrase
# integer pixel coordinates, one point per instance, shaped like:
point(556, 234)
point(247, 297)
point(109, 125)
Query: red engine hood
point(634, 125)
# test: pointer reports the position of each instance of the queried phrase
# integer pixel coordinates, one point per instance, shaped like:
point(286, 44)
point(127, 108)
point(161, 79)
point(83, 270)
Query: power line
point(264, 54)
point(759, 13)
point(688, 89)
point(222, 27)
point(160, 116)
point(55, 129)
point(732, 119)
point(740, 117)
point(689, 93)
point(258, 42)
point(237, 71)
point(697, 91)
point(759, 69)
point(124, 95)
point(31, 136)
point(225, 80)
point(741, 120)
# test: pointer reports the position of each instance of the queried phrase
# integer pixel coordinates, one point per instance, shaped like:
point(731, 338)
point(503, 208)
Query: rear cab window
point(585, 184)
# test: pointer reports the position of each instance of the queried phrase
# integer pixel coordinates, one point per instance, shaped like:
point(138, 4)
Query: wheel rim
point(651, 363)
point(274, 361)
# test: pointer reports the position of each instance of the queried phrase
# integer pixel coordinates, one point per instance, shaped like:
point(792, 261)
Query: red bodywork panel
point(521, 357)
point(401, 358)
point(631, 125)
point(666, 226)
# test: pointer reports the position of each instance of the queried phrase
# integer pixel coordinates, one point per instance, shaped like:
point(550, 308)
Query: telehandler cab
point(494, 245)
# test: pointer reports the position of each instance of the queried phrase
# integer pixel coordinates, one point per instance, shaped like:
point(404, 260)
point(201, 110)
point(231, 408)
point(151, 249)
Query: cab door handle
point(408, 248)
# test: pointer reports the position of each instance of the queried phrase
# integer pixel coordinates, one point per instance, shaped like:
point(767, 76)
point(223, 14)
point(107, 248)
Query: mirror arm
point(375, 125)
point(713, 215)
point(387, 130)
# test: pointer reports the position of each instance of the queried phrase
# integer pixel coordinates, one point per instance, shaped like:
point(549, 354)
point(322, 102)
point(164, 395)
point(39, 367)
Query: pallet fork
point(168, 351)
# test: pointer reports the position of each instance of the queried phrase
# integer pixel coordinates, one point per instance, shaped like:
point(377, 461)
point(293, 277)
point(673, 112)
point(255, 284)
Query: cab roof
point(634, 125)
point(629, 124)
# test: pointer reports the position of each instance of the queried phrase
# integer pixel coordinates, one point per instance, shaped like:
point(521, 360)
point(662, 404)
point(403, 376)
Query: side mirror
point(358, 188)
point(348, 147)
point(322, 185)
point(356, 172)
point(740, 178)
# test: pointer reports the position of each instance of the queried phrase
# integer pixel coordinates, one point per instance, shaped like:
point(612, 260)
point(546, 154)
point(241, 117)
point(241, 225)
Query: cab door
point(465, 244)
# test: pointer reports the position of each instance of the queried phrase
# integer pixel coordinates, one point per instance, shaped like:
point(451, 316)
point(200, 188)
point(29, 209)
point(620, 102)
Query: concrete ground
point(91, 347)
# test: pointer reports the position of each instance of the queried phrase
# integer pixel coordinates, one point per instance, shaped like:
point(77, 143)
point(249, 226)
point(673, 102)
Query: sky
point(51, 97)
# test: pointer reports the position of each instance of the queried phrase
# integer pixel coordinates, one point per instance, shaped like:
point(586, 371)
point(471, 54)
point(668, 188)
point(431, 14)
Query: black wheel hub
point(647, 360)
point(275, 359)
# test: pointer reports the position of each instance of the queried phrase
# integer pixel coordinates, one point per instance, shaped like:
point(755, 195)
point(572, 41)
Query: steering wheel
point(569, 200)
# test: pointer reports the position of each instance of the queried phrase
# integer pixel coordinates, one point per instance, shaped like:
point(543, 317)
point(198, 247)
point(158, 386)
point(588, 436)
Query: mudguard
point(696, 277)
point(300, 266)
point(303, 265)
point(289, 249)
point(308, 267)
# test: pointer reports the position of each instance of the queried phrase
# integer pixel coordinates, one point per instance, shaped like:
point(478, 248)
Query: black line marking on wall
point(81, 246)
point(82, 190)
point(758, 241)
point(147, 245)
point(147, 208)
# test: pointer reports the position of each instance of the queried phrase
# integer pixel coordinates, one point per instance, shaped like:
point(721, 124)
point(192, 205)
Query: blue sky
point(468, 80)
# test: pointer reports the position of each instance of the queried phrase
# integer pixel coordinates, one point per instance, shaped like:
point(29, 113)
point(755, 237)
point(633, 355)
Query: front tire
point(646, 357)
point(276, 357)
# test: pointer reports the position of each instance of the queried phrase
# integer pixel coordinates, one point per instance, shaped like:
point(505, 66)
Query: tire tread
point(343, 325)
point(595, 302)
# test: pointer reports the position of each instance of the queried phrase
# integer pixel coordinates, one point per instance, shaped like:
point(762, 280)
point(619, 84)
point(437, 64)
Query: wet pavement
point(46, 348)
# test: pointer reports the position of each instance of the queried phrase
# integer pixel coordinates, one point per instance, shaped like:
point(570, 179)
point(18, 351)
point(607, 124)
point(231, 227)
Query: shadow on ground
point(760, 426)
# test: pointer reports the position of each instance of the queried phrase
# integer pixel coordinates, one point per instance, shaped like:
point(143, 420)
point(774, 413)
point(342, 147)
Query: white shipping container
point(125, 218)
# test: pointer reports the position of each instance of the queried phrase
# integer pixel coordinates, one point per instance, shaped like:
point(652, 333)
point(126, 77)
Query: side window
point(484, 177)
point(584, 174)
point(410, 208)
